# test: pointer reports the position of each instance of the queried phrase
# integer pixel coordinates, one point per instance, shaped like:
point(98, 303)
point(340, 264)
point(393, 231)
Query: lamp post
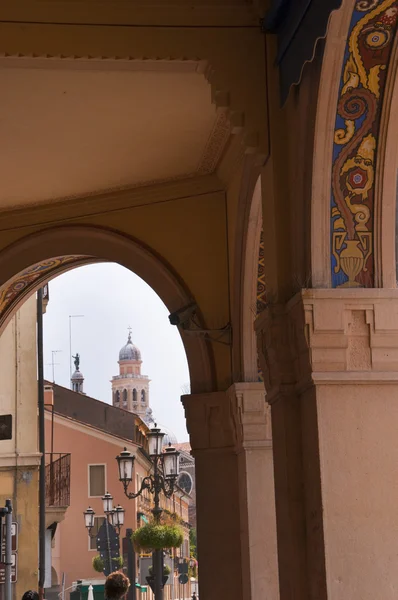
point(115, 516)
point(164, 477)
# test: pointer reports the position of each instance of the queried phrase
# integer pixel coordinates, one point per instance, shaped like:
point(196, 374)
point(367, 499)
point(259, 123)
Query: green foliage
point(98, 564)
point(193, 571)
point(192, 543)
point(119, 562)
point(155, 536)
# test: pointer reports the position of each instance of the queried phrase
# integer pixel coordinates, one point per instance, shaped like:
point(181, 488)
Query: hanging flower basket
point(98, 564)
point(155, 536)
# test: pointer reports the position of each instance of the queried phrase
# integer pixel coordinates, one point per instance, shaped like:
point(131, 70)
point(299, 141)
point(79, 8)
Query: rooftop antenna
point(53, 363)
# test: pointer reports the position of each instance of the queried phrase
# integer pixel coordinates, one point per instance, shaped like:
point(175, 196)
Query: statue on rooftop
point(76, 361)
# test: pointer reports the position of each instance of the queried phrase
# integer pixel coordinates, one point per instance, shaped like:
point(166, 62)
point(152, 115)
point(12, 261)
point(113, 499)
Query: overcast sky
point(112, 298)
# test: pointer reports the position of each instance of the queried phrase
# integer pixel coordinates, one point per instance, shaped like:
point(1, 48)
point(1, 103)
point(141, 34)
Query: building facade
point(93, 433)
point(19, 453)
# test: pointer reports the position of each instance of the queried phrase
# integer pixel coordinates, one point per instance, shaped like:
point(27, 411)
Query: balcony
point(57, 486)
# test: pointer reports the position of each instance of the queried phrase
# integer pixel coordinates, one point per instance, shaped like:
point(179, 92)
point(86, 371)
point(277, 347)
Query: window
point(134, 395)
point(96, 480)
point(124, 398)
point(185, 482)
point(117, 398)
point(142, 395)
point(94, 532)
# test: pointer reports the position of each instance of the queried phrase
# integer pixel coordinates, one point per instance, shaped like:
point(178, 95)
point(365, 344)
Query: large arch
point(86, 244)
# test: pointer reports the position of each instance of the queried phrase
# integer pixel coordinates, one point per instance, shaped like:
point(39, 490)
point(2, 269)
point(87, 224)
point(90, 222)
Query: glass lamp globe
point(171, 463)
point(125, 462)
point(107, 501)
point(118, 516)
point(89, 518)
point(155, 441)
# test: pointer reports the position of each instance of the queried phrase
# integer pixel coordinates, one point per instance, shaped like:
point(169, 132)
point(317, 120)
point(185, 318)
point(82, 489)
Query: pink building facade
point(93, 472)
point(94, 433)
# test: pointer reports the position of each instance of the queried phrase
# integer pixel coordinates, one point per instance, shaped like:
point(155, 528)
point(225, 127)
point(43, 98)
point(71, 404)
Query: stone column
point(212, 434)
point(330, 360)
point(257, 494)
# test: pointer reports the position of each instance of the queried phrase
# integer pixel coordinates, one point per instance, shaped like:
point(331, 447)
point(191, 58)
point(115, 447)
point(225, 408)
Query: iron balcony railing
point(57, 479)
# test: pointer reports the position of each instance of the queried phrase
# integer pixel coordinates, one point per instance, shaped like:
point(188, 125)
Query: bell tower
point(130, 389)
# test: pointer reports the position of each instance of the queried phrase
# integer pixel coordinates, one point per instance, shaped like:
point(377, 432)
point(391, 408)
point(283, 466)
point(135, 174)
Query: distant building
point(130, 389)
point(186, 480)
point(92, 433)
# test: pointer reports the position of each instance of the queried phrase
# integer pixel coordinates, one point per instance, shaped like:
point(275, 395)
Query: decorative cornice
point(135, 13)
point(20, 460)
point(101, 63)
point(239, 90)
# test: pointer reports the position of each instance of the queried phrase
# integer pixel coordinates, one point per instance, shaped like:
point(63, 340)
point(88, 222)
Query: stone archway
point(26, 265)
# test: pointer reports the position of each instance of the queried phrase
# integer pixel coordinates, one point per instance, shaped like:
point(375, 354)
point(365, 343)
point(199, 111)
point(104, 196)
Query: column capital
point(251, 415)
point(210, 422)
point(329, 336)
point(283, 348)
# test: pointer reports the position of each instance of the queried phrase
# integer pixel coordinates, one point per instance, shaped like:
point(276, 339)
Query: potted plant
point(98, 564)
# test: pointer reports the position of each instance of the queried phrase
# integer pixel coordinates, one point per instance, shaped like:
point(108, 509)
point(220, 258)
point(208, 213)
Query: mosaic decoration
point(368, 50)
point(27, 279)
point(260, 295)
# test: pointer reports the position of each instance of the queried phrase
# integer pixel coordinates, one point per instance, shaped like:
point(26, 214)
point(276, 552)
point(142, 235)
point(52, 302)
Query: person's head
point(30, 595)
point(116, 585)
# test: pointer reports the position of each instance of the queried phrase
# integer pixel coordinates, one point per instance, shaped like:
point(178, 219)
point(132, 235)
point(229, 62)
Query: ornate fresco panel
point(368, 50)
point(18, 286)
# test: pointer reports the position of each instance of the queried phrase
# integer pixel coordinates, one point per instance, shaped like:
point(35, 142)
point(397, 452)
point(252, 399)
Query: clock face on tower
point(185, 482)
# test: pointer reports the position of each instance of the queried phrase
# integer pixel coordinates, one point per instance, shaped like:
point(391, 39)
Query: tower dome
point(169, 438)
point(129, 351)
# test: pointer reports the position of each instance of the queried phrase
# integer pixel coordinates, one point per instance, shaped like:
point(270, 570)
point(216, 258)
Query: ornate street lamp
point(113, 516)
point(155, 442)
point(107, 502)
point(164, 477)
point(125, 462)
point(171, 463)
point(89, 519)
point(117, 517)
